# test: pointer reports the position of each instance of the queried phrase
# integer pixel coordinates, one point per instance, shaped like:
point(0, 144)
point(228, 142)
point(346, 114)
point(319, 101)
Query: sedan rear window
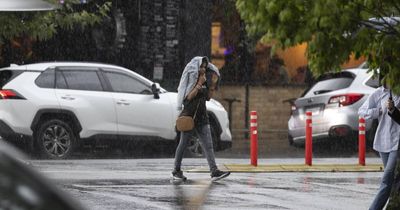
point(373, 82)
point(331, 82)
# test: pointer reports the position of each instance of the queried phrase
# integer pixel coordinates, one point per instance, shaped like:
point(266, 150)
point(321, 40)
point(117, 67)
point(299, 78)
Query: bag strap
point(184, 93)
point(187, 83)
point(194, 116)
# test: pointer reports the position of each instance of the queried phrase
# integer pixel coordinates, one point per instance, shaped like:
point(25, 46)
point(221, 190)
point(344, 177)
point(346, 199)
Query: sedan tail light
point(293, 109)
point(345, 99)
point(10, 94)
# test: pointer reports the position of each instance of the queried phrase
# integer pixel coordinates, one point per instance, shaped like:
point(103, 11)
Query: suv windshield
point(331, 82)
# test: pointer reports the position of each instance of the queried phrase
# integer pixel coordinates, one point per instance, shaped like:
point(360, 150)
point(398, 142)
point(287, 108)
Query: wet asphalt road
point(145, 184)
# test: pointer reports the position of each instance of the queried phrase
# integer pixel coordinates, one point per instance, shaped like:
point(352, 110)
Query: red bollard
point(361, 141)
point(308, 146)
point(253, 138)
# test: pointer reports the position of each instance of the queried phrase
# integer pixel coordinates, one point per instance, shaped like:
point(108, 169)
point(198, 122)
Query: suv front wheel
point(55, 139)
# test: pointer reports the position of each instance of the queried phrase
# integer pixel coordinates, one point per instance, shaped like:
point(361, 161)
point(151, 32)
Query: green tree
point(333, 29)
point(43, 25)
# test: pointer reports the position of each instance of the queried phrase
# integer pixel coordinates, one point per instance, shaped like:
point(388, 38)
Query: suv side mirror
point(155, 88)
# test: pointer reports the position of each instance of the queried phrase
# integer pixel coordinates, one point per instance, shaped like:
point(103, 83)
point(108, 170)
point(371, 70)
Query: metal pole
point(308, 149)
point(361, 141)
point(246, 110)
point(253, 138)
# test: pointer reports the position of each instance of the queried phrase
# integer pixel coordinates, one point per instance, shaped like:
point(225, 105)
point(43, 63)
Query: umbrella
point(25, 5)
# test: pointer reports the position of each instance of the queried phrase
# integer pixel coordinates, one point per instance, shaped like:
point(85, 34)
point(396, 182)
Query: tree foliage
point(43, 25)
point(333, 29)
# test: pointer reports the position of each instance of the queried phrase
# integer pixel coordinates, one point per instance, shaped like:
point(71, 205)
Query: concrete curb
point(247, 168)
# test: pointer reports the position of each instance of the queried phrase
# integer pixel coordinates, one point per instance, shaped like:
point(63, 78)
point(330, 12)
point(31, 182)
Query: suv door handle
point(68, 97)
point(123, 102)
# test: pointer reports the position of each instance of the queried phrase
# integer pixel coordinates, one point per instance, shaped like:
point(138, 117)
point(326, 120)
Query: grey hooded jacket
point(189, 78)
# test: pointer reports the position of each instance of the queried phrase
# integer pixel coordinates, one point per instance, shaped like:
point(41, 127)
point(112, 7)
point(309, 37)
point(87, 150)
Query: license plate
point(315, 110)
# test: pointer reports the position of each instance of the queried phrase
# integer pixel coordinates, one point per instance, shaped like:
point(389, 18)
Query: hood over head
point(189, 78)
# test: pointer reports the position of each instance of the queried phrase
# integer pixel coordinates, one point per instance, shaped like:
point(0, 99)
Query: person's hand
point(202, 79)
point(390, 104)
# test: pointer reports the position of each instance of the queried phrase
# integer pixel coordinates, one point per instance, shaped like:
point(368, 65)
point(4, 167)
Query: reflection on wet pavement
point(145, 184)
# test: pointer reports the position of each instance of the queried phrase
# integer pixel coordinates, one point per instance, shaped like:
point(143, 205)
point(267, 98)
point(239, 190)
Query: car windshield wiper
point(321, 91)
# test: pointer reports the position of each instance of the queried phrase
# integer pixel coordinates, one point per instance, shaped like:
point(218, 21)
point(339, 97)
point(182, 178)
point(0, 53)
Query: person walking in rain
point(197, 85)
point(394, 113)
point(386, 139)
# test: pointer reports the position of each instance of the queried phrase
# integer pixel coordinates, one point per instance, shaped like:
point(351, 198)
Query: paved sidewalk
point(247, 168)
point(123, 184)
point(294, 165)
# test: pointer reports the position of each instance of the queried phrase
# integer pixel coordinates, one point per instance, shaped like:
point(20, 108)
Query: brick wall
point(273, 116)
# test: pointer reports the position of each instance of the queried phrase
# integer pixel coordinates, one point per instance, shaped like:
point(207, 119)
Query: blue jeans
point(389, 163)
point(204, 134)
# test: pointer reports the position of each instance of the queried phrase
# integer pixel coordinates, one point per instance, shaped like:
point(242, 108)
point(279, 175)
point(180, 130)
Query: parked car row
point(58, 105)
point(334, 101)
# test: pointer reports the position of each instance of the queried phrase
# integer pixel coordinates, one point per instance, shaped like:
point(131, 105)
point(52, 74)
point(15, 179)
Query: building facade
point(154, 38)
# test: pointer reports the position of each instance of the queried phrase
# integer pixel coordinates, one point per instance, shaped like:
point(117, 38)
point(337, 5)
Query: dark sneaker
point(178, 176)
point(217, 175)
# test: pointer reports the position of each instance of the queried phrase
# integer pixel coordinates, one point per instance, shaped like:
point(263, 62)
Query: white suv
point(58, 105)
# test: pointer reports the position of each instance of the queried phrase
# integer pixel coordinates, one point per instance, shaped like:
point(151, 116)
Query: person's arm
point(370, 109)
point(196, 88)
point(393, 111)
point(395, 115)
point(193, 92)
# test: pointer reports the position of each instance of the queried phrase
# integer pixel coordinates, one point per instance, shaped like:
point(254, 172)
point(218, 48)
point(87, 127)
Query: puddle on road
point(189, 195)
point(121, 183)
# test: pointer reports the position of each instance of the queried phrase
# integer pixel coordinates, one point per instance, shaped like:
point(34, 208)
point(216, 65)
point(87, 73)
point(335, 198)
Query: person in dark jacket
point(198, 83)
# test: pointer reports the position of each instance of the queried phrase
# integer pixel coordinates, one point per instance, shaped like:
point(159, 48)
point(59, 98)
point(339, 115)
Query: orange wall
point(295, 57)
point(353, 62)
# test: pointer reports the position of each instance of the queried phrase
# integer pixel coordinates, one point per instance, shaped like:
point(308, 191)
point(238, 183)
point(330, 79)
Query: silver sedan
point(334, 101)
